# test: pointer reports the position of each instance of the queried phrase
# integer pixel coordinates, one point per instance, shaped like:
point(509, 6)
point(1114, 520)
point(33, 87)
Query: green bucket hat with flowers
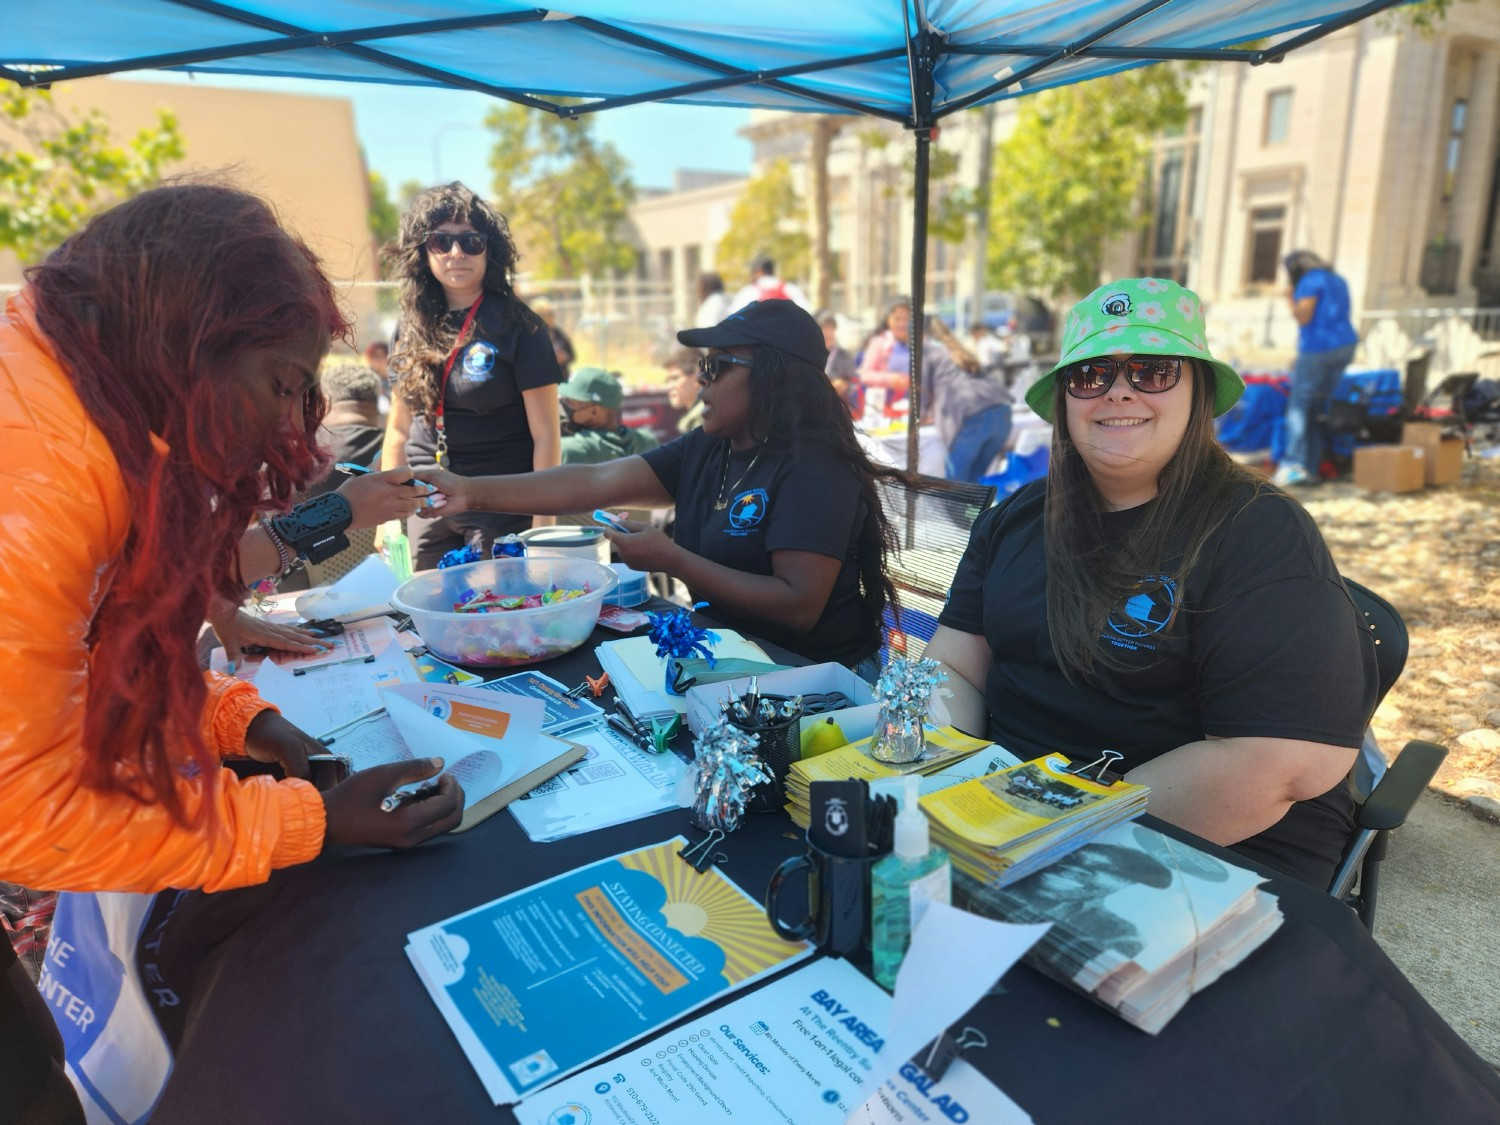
point(1137, 316)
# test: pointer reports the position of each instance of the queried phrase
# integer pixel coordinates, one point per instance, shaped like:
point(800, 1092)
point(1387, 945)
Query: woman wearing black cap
point(779, 527)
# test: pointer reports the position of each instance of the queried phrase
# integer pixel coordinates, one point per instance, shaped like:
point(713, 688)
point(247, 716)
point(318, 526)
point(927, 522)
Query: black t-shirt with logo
point(1265, 642)
point(482, 410)
point(778, 501)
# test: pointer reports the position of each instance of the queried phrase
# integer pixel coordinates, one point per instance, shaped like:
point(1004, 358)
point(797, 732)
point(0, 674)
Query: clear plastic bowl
point(516, 636)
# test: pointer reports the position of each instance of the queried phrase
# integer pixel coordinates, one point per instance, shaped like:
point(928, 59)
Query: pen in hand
point(408, 796)
point(364, 470)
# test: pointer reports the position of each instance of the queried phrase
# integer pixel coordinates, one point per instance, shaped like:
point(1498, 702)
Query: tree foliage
point(1070, 178)
point(55, 171)
point(565, 193)
point(769, 218)
point(385, 219)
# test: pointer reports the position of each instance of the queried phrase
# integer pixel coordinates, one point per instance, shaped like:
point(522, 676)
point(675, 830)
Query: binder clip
point(1099, 769)
point(701, 856)
point(591, 686)
point(938, 1056)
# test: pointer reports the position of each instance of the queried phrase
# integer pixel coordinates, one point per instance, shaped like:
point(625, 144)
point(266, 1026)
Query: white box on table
point(856, 721)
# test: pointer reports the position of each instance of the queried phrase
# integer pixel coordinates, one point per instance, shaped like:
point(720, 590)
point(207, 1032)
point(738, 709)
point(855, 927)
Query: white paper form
point(486, 739)
point(334, 694)
point(909, 1097)
point(358, 641)
point(615, 783)
point(369, 741)
point(955, 958)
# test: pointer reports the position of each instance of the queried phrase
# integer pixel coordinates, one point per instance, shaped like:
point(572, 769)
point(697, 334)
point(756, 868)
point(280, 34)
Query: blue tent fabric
point(676, 50)
point(1257, 421)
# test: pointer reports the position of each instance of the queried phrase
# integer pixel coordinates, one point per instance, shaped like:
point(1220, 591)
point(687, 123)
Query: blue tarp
point(1257, 421)
point(785, 54)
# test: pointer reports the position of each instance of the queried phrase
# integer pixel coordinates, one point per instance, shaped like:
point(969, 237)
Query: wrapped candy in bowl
point(506, 611)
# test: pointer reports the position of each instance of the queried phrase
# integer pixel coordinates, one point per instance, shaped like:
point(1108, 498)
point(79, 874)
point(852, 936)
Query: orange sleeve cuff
point(304, 820)
point(231, 705)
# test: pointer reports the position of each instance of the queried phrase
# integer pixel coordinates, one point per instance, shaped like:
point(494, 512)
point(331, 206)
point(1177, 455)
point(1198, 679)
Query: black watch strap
point(315, 528)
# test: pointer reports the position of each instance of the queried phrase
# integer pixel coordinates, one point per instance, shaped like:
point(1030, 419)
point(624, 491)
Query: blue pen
point(363, 470)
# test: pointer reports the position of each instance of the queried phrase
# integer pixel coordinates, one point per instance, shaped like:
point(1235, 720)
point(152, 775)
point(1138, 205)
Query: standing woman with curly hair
point(475, 375)
point(779, 522)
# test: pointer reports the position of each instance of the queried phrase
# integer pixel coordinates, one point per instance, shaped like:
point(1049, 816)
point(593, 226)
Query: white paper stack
point(1141, 921)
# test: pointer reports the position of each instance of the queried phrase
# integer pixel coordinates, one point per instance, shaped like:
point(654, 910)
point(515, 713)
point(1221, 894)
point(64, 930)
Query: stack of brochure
point(1140, 921)
point(1002, 827)
point(638, 675)
point(946, 748)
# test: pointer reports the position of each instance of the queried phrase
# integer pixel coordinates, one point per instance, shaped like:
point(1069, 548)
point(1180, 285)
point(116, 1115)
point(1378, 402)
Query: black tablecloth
point(299, 1005)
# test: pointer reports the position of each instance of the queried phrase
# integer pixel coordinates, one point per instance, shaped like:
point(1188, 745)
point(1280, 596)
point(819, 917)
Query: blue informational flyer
point(542, 982)
point(564, 713)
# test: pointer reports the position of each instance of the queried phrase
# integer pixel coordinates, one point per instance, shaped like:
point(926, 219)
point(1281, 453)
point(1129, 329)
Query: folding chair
point(932, 518)
point(1396, 791)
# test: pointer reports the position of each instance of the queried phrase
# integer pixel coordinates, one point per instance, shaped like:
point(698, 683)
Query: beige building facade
point(300, 152)
point(1376, 147)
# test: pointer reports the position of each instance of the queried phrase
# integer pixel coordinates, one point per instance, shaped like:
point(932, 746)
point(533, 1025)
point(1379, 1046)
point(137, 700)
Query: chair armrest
point(1402, 784)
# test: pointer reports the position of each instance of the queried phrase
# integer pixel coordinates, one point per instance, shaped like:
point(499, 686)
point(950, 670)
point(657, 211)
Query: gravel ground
point(1435, 556)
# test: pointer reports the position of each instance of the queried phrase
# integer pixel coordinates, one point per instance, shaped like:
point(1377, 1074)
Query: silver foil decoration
point(727, 770)
point(903, 691)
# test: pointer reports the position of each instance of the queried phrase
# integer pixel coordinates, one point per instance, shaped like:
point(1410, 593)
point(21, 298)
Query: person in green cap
point(591, 399)
point(1154, 597)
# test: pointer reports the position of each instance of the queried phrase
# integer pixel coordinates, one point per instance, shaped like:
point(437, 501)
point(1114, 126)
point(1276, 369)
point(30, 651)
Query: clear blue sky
point(427, 134)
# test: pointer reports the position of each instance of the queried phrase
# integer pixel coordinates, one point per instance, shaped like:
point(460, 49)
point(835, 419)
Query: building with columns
point(1378, 148)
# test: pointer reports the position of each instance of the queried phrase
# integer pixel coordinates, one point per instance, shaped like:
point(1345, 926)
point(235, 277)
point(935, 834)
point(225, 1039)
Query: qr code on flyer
point(551, 785)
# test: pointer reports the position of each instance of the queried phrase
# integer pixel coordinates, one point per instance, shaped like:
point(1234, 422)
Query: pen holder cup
point(780, 745)
point(838, 900)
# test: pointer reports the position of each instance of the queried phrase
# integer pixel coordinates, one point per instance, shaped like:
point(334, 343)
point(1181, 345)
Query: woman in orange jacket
point(158, 389)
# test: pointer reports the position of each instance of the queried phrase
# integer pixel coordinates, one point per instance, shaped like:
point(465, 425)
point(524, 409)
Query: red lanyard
point(442, 431)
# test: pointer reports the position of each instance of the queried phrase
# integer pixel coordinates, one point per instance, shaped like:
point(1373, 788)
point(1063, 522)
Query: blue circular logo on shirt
point(1149, 610)
point(479, 360)
point(747, 509)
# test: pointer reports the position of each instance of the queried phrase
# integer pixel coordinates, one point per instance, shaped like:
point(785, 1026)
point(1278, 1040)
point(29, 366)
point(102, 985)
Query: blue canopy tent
point(908, 61)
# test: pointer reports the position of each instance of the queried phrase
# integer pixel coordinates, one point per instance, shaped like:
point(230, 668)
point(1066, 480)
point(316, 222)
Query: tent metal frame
point(924, 49)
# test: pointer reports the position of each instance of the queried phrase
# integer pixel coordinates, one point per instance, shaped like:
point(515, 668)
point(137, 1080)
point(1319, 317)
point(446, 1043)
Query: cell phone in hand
point(609, 519)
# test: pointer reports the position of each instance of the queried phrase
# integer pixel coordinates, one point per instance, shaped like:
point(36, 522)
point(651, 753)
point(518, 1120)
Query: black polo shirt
point(1261, 640)
point(774, 500)
point(483, 410)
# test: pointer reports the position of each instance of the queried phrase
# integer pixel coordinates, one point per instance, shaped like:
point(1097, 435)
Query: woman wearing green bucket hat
point(1153, 597)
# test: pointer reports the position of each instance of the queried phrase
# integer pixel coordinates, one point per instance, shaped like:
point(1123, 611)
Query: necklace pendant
point(720, 504)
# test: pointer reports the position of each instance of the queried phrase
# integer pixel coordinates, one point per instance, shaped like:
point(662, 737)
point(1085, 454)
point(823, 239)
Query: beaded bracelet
point(283, 553)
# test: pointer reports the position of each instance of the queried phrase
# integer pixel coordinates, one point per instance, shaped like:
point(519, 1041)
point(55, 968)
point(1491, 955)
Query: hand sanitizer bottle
point(902, 884)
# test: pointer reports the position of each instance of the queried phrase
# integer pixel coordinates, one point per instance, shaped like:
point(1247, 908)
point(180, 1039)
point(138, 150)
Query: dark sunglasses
point(471, 242)
point(1152, 374)
point(710, 367)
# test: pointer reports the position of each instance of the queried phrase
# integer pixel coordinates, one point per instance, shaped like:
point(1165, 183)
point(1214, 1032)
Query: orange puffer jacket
point(64, 513)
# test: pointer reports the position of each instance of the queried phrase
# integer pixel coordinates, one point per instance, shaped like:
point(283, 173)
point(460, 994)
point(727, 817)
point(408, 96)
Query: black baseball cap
point(783, 325)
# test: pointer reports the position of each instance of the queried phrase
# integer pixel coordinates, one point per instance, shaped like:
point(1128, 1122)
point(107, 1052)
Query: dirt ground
point(1435, 556)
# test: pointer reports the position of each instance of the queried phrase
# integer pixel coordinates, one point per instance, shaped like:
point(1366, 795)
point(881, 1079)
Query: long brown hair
point(793, 406)
point(148, 309)
point(425, 337)
point(1088, 575)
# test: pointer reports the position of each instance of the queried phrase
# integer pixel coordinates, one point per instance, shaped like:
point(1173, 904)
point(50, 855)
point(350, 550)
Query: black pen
point(364, 470)
point(367, 659)
point(407, 796)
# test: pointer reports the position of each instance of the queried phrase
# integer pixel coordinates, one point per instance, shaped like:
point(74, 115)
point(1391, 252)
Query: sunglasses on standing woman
point(471, 242)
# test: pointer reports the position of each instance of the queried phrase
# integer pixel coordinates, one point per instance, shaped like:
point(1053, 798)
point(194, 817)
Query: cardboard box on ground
point(1443, 457)
point(1390, 468)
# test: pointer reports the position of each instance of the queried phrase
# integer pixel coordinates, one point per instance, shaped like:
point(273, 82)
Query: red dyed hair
point(148, 308)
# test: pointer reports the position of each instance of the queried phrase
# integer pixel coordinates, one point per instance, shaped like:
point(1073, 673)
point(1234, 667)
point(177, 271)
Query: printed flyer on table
point(800, 1051)
point(542, 982)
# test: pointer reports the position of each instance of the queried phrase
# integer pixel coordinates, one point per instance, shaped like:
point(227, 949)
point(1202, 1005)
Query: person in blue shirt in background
point(1325, 345)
